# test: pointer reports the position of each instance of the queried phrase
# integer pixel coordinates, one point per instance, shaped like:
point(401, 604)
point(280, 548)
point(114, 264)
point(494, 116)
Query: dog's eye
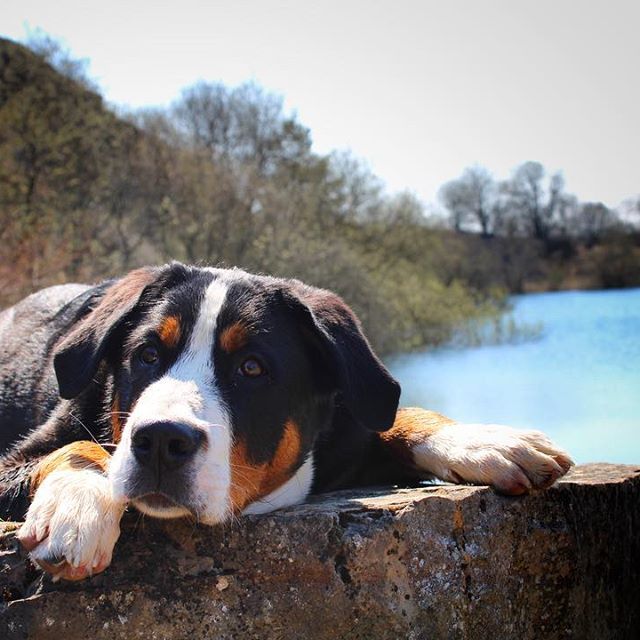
point(149, 355)
point(251, 368)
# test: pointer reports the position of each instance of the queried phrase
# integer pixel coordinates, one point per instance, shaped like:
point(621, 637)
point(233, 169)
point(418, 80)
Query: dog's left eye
point(149, 355)
point(251, 368)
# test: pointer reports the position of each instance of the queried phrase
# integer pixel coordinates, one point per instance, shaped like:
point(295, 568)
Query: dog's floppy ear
point(79, 353)
point(365, 386)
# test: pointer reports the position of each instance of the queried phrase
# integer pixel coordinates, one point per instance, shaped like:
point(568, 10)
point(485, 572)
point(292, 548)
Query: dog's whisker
point(84, 426)
point(252, 485)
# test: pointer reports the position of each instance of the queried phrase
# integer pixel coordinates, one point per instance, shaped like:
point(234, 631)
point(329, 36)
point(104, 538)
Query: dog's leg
point(511, 460)
point(73, 522)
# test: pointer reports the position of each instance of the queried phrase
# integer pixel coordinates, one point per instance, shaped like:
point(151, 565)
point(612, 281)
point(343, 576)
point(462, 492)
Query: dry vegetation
point(225, 176)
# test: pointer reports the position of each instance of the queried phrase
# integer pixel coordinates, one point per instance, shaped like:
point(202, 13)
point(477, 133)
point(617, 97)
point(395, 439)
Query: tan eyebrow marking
point(170, 331)
point(234, 337)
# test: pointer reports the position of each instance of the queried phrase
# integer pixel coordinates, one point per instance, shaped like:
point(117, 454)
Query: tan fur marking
point(116, 419)
point(170, 331)
point(76, 455)
point(411, 427)
point(234, 337)
point(287, 453)
point(246, 478)
point(249, 481)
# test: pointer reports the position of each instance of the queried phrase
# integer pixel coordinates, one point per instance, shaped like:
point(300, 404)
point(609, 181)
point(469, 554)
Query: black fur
point(69, 353)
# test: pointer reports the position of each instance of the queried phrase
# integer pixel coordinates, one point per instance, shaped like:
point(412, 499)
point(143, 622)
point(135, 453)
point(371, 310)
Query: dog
point(208, 393)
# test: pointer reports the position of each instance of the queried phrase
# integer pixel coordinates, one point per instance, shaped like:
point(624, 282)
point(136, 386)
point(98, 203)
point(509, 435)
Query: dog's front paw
point(511, 460)
point(72, 524)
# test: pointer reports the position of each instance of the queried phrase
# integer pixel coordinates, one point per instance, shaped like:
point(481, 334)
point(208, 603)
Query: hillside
point(225, 176)
point(57, 146)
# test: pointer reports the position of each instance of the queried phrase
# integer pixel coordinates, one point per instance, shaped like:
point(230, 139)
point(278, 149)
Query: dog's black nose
point(165, 445)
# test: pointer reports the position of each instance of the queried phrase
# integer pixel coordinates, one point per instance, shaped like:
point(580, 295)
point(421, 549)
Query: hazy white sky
point(419, 89)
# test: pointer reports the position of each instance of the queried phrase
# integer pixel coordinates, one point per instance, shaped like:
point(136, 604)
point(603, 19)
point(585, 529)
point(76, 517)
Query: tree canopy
point(226, 176)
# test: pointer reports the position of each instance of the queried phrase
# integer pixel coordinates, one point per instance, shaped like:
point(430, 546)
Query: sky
point(418, 89)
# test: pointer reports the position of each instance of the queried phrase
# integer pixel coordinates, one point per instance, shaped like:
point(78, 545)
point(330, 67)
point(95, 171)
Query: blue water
point(579, 382)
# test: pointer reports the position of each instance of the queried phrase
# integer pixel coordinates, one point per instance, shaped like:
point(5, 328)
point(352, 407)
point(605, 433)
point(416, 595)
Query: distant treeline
point(543, 236)
point(225, 176)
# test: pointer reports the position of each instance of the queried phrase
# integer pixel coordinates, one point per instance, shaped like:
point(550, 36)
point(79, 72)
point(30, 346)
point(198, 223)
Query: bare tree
point(471, 197)
point(357, 191)
point(240, 126)
point(539, 200)
point(591, 222)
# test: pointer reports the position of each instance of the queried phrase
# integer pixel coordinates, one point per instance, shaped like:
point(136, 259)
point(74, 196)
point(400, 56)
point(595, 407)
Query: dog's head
point(219, 382)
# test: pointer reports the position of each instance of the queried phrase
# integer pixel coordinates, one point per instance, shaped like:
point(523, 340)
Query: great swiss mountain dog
point(206, 393)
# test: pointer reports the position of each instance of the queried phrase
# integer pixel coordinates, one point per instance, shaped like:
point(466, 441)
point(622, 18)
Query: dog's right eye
point(149, 355)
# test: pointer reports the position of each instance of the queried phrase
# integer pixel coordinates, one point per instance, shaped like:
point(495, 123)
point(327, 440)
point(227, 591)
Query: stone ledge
point(430, 562)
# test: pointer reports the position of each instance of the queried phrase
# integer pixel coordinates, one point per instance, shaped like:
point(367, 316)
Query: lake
point(579, 382)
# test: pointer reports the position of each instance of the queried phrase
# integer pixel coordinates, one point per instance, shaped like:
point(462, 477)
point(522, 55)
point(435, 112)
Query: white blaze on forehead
point(188, 390)
point(201, 343)
point(188, 393)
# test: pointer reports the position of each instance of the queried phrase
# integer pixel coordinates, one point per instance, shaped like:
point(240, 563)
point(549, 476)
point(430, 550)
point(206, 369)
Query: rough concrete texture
point(421, 563)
